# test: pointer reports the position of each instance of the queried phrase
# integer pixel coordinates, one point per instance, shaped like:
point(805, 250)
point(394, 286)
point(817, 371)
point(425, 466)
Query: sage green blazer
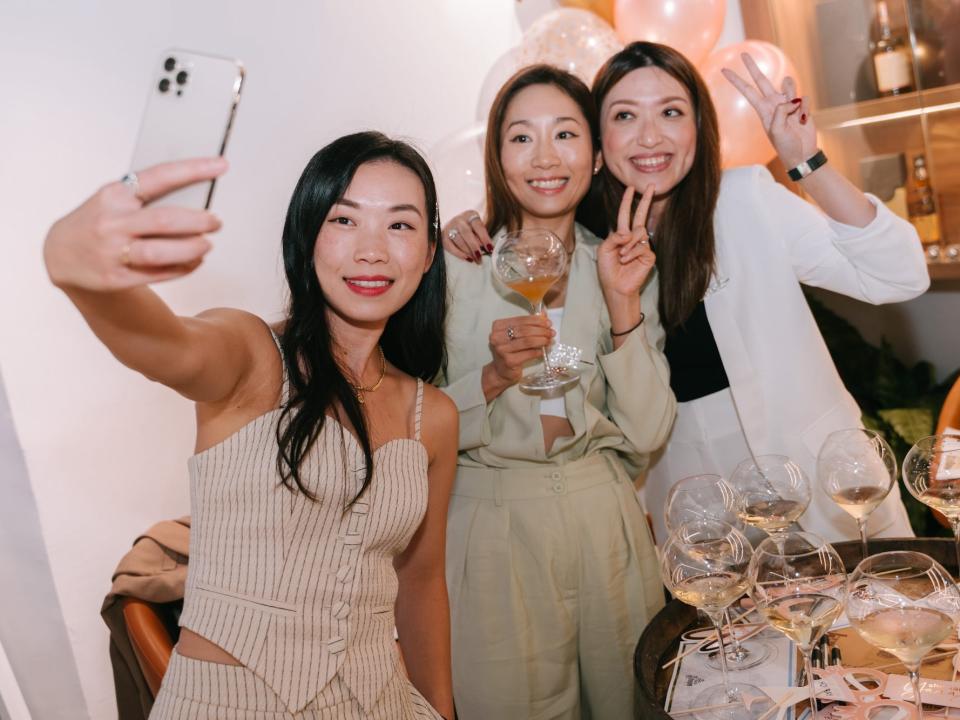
point(622, 402)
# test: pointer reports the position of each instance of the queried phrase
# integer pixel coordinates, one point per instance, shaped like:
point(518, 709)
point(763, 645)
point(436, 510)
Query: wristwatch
point(807, 167)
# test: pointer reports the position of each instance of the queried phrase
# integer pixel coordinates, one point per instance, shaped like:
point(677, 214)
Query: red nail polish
point(796, 101)
point(477, 253)
point(489, 248)
point(803, 119)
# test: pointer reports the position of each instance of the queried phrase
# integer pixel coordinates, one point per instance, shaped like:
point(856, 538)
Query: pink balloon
point(690, 26)
point(743, 141)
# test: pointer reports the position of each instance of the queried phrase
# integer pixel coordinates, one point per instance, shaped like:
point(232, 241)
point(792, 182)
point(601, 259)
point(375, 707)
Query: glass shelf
point(898, 107)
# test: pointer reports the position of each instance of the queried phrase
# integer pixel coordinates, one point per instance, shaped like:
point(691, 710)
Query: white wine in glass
point(530, 262)
point(931, 472)
point(857, 469)
point(905, 603)
point(772, 492)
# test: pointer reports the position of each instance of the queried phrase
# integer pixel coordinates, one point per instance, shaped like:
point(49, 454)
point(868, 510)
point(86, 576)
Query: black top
point(696, 369)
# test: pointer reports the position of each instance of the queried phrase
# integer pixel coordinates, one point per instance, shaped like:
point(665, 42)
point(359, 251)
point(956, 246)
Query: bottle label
point(893, 71)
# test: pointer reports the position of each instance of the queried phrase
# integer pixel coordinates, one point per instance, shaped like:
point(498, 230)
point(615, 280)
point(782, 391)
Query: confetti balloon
point(572, 39)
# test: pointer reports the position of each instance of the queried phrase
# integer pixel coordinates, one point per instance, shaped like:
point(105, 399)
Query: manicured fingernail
point(489, 248)
point(797, 101)
point(478, 255)
point(803, 119)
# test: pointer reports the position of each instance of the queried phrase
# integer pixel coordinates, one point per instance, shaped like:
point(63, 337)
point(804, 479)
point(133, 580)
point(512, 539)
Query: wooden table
point(661, 638)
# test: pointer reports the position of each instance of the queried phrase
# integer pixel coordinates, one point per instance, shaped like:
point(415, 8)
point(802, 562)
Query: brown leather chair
point(152, 630)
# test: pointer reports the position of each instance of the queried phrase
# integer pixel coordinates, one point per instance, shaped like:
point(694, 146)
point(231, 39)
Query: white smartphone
point(190, 109)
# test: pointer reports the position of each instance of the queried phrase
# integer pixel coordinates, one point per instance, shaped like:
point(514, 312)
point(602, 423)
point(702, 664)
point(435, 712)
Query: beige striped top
point(299, 591)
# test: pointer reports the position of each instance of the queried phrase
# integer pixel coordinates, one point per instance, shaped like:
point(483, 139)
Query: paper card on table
point(933, 692)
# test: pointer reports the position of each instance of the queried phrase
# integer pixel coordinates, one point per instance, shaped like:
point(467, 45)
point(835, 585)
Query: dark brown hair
point(685, 241)
point(503, 210)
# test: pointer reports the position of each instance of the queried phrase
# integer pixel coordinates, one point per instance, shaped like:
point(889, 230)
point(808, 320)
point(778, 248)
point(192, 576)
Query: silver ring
point(474, 217)
point(453, 234)
point(133, 182)
point(511, 333)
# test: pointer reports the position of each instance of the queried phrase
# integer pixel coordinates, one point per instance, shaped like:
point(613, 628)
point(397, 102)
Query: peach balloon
point(743, 140)
point(572, 39)
point(690, 26)
point(602, 8)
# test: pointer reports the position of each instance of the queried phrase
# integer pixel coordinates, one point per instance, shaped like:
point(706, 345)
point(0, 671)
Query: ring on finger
point(131, 181)
point(453, 234)
point(125, 255)
point(474, 217)
point(511, 332)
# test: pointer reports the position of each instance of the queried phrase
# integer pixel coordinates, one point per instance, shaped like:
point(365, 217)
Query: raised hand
point(115, 240)
point(624, 259)
point(785, 117)
point(465, 236)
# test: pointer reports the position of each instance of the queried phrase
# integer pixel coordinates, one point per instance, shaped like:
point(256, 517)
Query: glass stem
point(718, 624)
point(862, 526)
point(736, 651)
point(914, 673)
point(955, 525)
point(808, 669)
point(538, 310)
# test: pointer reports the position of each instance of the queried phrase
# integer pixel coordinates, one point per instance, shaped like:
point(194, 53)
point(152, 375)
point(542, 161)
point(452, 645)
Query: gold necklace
point(359, 390)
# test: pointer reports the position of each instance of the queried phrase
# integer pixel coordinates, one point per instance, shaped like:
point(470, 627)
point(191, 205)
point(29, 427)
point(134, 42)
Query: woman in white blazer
point(551, 568)
point(749, 367)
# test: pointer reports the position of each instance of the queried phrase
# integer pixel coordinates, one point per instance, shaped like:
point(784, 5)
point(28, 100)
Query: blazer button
point(341, 610)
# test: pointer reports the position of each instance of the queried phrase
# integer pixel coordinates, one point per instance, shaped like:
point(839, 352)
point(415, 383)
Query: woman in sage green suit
point(551, 569)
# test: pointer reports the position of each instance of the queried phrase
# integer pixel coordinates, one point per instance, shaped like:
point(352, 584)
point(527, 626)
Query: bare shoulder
point(441, 421)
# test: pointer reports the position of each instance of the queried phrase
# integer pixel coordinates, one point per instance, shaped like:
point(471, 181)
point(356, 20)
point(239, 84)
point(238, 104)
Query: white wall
point(105, 449)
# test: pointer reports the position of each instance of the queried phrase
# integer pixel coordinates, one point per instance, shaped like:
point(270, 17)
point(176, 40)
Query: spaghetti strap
point(419, 411)
point(285, 385)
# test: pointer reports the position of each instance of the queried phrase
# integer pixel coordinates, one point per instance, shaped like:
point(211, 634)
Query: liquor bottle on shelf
point(923, 210)
point(891, 58)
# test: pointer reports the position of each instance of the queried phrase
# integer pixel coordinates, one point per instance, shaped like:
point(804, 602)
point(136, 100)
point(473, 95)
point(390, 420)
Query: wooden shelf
point(944, 270)
point(889, 109)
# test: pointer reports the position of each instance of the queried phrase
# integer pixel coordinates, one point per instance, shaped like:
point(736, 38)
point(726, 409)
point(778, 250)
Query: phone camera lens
point(164, 85)
point(169, 64)
point(182, 77)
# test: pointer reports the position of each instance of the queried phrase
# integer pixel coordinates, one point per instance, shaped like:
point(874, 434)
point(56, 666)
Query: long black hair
point(685, 238)
point(413, 339)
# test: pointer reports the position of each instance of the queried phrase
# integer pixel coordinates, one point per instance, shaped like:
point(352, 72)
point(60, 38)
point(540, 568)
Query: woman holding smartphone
point(551, 568)
point(323, 462)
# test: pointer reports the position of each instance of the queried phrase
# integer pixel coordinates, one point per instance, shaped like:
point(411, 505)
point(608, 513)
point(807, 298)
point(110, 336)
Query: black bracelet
point(807, 167)
point(627, 332)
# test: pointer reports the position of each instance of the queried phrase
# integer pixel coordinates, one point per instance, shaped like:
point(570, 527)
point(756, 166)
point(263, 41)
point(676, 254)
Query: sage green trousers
point(552, 576)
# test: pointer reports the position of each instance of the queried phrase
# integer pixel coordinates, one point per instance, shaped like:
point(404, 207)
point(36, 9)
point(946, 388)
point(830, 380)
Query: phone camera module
point(169, 64)
point(164, 85)
point(182, 77)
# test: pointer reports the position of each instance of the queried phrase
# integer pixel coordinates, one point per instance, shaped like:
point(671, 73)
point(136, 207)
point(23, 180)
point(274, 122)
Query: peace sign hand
point(785, 117)
point(624, 259)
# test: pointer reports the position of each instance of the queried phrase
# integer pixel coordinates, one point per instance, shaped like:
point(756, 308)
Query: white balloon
point(529, 10)
point(575, 40)
point(501, 70)
point(457, 162)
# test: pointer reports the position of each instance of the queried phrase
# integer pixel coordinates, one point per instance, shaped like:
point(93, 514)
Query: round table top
point(660, 638)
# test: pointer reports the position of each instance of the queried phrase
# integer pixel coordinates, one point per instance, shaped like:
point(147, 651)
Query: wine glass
point(710, 497)
point(772, 492)
point(857, 469)
point(799, 585)
point(931, 472)
point(529, 262)
point(905, 603)
point(704, 563)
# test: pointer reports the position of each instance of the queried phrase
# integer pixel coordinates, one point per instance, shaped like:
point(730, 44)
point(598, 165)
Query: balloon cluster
point(580, 35)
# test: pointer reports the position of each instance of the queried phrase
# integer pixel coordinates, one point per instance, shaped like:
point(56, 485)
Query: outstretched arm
point(105, 254)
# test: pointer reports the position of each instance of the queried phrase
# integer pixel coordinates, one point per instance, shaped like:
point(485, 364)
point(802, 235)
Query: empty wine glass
point(772, 492)
point(710, 497)
point(856, 468)
point(931, 472)
point(799, 585)
point(704, 563)
point(905, 603)
point(529, 262)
